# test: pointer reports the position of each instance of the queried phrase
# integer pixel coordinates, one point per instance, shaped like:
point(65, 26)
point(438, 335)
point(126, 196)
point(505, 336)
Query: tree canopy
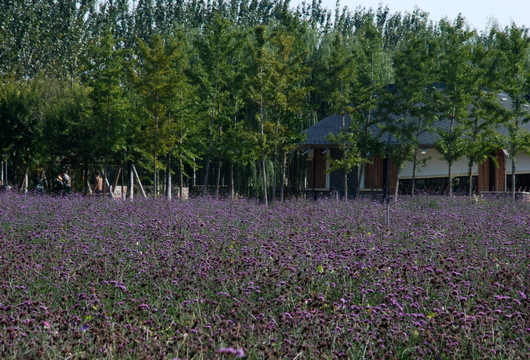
point(227, 87)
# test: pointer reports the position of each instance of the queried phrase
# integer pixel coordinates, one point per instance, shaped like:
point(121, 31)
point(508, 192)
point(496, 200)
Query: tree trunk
point(26, 179)
point(218, 176)
point(282, 182)
point(106, 166)
point(274, 164)
point(450, 180)
point(414, 164)
point(85, 177)
point(155, 177)
point(513, 178)
point(470, 177)
point(181, 179)
point(180, 167)
point(210, 134)
point(359, 178)
point(168, 178)
point(345, 176)
point(121, 180)
point(219, 164)
point(275, 160)
point(232, 183)
point(232, 187)
point(450, 152)
point(263, 165)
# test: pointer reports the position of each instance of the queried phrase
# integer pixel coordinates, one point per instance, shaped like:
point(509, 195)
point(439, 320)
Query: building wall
point(522, 164)
point(491, 176)
point(435, 167)
point(317, 176)
point(337, 176)
point(375, 175)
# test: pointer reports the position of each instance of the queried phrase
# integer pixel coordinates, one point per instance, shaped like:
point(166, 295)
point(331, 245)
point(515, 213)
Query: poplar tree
point(341, 75)
point(288, 98)
point(414, 99)
point(454, 73)
point(482, 139)
point(154, 77)
point(373, 69)
point(215, 47)
point(514, 46)
point(260, 91)
point(182, 126)
point(103, 74)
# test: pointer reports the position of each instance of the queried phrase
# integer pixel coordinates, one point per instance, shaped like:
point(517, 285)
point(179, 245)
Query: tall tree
point(215, 47)
point(455, 75)
point(145, 20)
point(22, 120)
point(289, 93)
point(182, 126)
point(154, 77)
point(514, 46)
point(341, 75)
point(374, 71)
point(480, 127)
point(261, 88)
point(414, 99)
point(103, 73)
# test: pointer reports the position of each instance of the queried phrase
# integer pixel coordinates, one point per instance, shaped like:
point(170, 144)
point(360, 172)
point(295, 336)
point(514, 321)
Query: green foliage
point(243, 80)
point(514, 46)
point(346, 141)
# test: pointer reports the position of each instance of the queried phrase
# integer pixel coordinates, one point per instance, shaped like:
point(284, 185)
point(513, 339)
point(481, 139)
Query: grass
point(206, 279)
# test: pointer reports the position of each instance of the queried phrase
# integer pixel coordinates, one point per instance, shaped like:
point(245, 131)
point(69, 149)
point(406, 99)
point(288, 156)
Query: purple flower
point(231, 351)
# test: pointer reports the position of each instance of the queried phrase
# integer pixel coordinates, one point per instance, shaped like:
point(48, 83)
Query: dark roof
point(317, 134)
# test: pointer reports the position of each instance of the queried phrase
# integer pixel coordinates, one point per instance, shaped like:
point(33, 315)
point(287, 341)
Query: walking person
point(67, 187)
point(38, 184)
point(58, 184)
point(98, 183)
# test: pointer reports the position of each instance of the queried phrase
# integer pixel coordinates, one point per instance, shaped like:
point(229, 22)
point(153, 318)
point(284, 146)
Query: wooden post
point(131, 182)
point(139, 182)
point(25, 183)
point(115, 181)
point(123, 195)
point(108, 186)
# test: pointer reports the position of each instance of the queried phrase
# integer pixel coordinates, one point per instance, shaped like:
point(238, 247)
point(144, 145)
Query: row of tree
point(210, 89)
point(446, 82)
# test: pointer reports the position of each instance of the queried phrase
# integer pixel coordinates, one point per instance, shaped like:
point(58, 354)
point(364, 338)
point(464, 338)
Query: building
point(492, 175)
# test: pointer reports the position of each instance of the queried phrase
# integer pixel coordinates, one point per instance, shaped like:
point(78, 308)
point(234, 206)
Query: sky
point(478, 13)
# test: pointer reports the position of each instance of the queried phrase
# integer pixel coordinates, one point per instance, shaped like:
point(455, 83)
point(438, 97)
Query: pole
point(387, 175)
point(139, 182)
point(131, 182)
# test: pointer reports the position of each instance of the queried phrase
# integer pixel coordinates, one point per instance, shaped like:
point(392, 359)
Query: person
point(67, 187)
point(58, 184)
point(98, 183)
point(39, 185)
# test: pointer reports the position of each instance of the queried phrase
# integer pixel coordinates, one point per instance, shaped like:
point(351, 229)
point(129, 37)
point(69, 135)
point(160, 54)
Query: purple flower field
point(205, 279)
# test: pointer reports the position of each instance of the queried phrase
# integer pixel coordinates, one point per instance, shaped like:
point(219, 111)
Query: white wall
point(435, 166)
point(522, 164)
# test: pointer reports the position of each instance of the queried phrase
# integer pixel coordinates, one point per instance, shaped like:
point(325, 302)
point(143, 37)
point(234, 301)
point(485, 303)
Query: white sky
point(478, 13)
